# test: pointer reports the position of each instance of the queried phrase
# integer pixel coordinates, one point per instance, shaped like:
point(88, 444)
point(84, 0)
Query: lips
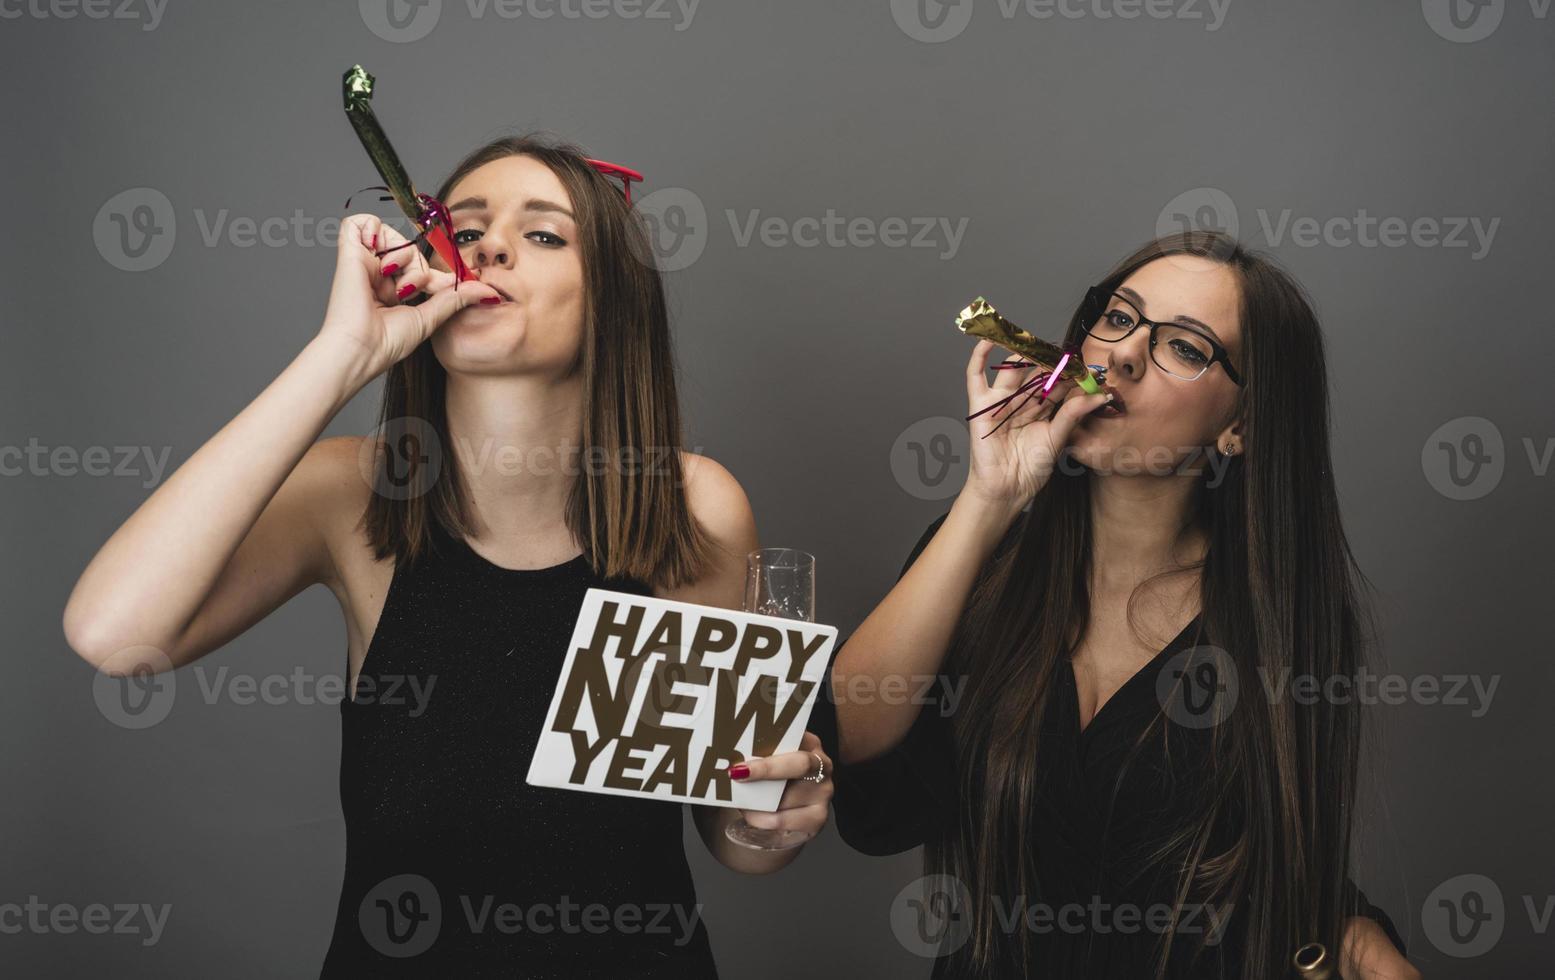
point(500, 291)
point(1115, 407)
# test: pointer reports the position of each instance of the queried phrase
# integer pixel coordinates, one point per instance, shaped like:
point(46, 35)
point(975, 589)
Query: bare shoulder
point(342, 472)
point(718, 502)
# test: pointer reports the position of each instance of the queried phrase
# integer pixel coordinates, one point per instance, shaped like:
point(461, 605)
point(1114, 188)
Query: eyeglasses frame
point(1095, 306)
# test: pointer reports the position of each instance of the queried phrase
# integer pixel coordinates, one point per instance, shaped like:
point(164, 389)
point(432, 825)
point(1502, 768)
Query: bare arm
point(235, 531)
point(909, 633)
point(147, 585)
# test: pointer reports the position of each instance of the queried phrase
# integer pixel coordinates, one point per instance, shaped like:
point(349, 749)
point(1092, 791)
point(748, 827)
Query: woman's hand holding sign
point(806, 800)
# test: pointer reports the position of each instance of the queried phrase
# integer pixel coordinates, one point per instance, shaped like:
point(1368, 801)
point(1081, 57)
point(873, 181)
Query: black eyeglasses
point(1177, 348)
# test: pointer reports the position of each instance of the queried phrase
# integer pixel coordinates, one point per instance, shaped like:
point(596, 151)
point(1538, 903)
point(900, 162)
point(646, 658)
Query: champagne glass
point(778, 582)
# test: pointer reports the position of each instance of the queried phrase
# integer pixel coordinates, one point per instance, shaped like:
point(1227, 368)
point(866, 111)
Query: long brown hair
point(627, 506)
point(1278, 589)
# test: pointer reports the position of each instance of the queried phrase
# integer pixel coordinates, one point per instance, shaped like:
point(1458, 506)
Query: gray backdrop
point(169, 168)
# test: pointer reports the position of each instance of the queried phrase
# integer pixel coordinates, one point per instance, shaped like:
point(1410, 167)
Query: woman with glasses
point(1101, 783)
point(529, 450)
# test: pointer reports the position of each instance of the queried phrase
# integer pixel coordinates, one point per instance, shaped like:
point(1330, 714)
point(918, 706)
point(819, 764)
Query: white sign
point(658, 698)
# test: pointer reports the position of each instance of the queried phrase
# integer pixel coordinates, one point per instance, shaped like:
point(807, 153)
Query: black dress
point(1096, 823)
point(455, 866)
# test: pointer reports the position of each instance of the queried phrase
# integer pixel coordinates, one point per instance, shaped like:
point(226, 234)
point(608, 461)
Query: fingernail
point(739, 771)
point(491, 300)
point(375, 240)
point(406, 290)
point(391, 268)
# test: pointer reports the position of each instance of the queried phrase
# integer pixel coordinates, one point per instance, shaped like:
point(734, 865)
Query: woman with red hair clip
point(529, 449)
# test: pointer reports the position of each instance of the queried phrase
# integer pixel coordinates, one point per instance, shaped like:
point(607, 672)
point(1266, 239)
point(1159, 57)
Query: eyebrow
point(1195, 321)
point(533, 204)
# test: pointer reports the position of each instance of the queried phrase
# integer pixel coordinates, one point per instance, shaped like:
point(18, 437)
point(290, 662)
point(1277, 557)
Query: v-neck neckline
point(1081, 732)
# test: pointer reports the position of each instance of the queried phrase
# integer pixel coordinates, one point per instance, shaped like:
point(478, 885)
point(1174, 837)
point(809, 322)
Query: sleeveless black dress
point(455, 866)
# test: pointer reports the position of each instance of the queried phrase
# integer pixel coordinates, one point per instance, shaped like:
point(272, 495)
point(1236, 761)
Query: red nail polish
point(739, 771)
point(491, 300)
point(391, 268)
point(375, 240)
point(406, 290)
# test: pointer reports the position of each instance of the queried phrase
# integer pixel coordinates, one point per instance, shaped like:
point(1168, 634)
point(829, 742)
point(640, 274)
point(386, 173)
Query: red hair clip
point(627, 175)
point(428, 214)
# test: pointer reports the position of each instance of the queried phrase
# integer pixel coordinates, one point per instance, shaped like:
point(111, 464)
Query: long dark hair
point(628, 512)
point(1279, 588)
